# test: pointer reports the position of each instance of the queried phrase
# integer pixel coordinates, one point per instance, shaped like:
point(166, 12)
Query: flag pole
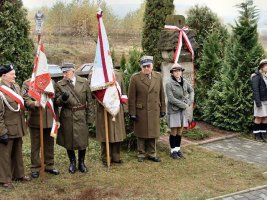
point(107, 139)
point(39, 23)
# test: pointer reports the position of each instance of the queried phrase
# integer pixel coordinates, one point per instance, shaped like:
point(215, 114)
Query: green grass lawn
point(201, 175)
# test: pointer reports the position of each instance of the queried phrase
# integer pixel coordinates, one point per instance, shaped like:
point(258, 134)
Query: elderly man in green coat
point(73, 95)
point(146, 106)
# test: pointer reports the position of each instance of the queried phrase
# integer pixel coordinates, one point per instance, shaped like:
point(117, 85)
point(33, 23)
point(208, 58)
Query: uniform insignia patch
point(24, 91)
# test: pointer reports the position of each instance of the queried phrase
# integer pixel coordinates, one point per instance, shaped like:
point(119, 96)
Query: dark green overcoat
point(73, 132)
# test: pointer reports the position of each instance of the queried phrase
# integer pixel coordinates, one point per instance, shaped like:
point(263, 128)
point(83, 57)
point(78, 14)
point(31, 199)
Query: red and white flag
point(41, 87)
point(103, 82)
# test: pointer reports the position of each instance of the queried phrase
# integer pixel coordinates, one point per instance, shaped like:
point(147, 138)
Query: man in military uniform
point(146, 106)
point(73, 95)
point(116, 129)
point(34, 126)
point(12, 128)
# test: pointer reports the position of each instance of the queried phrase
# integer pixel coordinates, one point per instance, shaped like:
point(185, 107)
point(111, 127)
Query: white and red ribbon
point(13, 95)
point(56, 124)
point(182, 35)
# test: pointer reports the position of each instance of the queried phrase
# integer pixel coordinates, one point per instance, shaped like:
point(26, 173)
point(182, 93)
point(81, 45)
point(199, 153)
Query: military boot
point(81, 165)
point(72, 167)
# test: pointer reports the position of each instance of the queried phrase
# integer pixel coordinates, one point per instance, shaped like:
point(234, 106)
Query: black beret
point(5, 68)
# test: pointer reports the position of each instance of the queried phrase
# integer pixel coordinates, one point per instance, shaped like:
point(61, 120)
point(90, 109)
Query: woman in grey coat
point(180, 95)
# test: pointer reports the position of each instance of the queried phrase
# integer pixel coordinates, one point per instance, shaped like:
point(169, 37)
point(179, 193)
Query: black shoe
point(154, 159)
point(140, 159)
point(174, 155)
point(263, 137)
point(82, 167)
point(117, 161)
point(35, 174)
point(258, 137)
point(52, 171)
point(72, 167)
point(180, 154)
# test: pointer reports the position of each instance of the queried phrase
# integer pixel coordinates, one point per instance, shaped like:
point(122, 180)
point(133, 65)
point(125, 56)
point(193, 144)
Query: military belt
point(76, 108)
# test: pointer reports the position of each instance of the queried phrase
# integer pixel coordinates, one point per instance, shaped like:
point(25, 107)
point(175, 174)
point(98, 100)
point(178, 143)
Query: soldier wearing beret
point(12, 128)
point(73, 95)
point(146, 106)
point(34, 127)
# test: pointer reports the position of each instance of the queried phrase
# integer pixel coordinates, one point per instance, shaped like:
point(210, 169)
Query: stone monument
point(167, 44)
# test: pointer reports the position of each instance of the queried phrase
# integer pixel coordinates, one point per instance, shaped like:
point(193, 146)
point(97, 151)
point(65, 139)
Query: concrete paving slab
point(240, 149)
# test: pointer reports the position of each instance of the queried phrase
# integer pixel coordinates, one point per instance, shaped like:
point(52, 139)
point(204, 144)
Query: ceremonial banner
point(41, 87)
point(103, 83)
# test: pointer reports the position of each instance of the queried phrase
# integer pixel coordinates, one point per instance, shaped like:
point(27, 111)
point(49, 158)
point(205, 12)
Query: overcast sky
point(224, 8)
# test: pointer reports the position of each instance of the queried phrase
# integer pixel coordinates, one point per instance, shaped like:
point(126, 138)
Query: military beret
point(175, 67)
point(67, 66)
point(5, 68)
point(146, 60)
point(262, 62)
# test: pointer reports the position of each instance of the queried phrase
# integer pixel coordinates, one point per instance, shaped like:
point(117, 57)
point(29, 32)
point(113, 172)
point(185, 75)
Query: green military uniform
point(34, 126)
point(13, 124)
point(74, 115)
point(116, 129)
point(146, 101)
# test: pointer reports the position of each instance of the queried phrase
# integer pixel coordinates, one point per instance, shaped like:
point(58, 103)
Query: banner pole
point(107, 139)
point(41, 141)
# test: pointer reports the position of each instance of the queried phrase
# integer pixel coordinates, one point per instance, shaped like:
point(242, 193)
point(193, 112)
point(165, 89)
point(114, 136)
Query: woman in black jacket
point(259, 87)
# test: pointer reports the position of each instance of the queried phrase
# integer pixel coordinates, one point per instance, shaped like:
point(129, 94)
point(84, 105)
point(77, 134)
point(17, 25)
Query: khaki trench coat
point(33, 111)
point(12, 123)
point(146, 101)
point(73, 132)
point(116, 129)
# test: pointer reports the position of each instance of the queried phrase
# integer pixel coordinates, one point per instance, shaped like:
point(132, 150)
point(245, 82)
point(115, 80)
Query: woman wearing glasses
point(180, 95)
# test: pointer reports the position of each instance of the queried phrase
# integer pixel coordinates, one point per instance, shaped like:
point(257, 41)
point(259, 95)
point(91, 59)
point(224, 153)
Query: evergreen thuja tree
point(15, 45)
point(210, 64)
point(234, 105)
point(204, 22)
point(154, 20)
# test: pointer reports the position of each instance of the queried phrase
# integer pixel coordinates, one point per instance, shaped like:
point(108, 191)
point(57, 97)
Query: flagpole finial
point(39, 20)
point(98, 3)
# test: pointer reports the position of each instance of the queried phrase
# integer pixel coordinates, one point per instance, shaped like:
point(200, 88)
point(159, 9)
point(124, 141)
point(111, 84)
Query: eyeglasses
point(177, 70)
point(146, 66)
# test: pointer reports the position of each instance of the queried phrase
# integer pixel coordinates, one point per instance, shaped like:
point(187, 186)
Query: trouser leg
point(141, 147)
point(115, 151)
point(35, 149)
point(151, 147)
point(48, 149)
point(5, 162)
point(17, 160)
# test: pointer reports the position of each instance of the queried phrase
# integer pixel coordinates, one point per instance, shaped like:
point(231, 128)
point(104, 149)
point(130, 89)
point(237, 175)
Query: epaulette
point(136, 73)
point(27, 81)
